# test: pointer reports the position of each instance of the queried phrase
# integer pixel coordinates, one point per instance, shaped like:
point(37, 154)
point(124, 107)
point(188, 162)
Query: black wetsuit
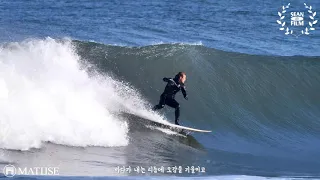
point(167, 97)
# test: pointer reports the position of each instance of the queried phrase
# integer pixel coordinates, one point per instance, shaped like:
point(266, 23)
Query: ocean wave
point(46, 96)
point(251, 102)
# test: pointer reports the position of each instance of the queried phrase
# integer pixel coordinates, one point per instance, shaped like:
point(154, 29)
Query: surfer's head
point(181, 77)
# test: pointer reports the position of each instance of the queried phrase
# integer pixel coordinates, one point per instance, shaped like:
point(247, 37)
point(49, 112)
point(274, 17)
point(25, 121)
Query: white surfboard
point(180, 128)
point(168, 125)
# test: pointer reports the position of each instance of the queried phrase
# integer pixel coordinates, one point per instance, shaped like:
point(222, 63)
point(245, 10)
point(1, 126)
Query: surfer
point(167, 97)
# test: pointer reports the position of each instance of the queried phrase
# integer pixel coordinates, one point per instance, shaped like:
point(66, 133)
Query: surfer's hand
point(165, 79)
point(186, 97)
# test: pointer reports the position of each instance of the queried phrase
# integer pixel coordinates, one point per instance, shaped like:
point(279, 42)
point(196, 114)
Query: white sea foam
point(199, 43)
point(45, 95)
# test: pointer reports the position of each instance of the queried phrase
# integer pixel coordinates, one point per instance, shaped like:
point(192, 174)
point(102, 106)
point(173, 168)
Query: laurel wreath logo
point(283, 24)
point(312, 22)
point(287, 30)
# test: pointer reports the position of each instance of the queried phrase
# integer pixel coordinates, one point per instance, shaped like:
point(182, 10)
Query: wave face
point(261, 105)
point(263, 110)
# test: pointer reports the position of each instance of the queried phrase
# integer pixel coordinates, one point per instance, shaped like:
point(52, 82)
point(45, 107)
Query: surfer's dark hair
point(180, 74)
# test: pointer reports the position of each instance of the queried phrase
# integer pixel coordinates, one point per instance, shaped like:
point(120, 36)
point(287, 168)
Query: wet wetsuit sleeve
point(184, 92)
point(165, 79)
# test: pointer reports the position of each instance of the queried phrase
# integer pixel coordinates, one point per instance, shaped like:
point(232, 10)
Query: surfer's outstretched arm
point(184, 92)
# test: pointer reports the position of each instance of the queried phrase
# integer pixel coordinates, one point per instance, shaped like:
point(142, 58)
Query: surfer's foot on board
point(177, 122)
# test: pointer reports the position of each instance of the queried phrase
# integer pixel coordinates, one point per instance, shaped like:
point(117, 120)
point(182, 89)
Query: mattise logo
point(10, 171)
